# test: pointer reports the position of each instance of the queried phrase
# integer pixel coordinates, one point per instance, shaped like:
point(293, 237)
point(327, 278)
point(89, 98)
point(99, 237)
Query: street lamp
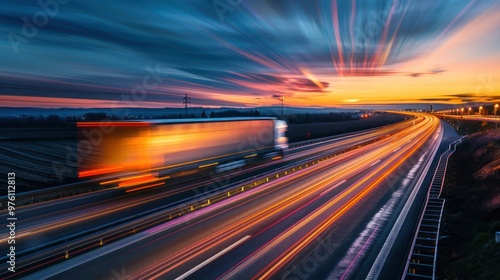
point(470, 109)
point(495, 113)
point(461, 113)
point(480, 110)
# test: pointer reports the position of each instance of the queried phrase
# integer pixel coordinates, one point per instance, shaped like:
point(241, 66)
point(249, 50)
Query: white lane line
point(396, 149)
point(375, 163)
point(336, 185)
point(211, 259)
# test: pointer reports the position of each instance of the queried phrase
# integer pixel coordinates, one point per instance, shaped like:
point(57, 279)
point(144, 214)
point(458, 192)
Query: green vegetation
point(467, 248)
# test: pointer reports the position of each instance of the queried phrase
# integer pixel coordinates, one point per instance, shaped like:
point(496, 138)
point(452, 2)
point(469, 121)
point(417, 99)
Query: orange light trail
point(124, 179)
point(137, 181)
point(232, 230)
point(293, 250)
point(84, 216)
point(145, 187)
point(98, 171)
point(227, 233)
point(358, 165)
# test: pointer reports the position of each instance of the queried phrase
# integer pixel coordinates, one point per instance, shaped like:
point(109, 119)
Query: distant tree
point(212, 114)
point(53, 120)
point(30, 120)
point(95, 116)
point(203, 114)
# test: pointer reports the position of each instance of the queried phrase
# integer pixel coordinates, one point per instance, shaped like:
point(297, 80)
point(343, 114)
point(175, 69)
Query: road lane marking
point(375, 163)
point(211, 259)
point(336, 185)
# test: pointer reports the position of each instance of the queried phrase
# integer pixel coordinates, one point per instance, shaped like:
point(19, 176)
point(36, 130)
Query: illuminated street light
point(495, 113)
point(480, 110)
point(470, 109)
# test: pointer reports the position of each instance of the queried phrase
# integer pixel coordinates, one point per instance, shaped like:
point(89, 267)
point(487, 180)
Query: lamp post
point(480, 110)
point(461, 113)
point(470, 109)
point(495, 113)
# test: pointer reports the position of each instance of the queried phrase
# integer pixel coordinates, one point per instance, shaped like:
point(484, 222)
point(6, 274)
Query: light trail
point(419, 132)
point(395, 161)
point(87, 214)
point(333, 187)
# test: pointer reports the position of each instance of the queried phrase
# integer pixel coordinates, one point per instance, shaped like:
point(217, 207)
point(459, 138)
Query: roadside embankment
point(467, 247)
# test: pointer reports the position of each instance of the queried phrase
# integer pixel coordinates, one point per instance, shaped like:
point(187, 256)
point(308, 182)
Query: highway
point(57, 220)
point(316, 222)
point(52, 217)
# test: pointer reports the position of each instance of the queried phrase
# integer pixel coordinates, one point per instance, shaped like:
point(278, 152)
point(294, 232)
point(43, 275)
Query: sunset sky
point(248, 53)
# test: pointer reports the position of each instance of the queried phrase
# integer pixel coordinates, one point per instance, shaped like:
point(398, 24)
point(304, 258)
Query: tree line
point(70, 120)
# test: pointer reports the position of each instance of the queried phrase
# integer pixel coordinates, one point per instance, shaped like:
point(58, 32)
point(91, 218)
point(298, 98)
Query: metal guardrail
point(421, 263)
point(322, 140)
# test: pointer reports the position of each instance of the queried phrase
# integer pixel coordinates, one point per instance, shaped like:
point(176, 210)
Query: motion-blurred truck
point(166, 146)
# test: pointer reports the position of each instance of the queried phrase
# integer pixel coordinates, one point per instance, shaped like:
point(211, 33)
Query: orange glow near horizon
point(450, 68)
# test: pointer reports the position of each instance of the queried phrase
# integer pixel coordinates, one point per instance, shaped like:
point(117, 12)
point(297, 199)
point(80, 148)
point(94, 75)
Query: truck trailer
point(122, 147)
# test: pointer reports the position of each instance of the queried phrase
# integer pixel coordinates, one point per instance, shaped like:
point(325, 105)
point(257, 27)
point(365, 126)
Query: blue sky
point(248, 53)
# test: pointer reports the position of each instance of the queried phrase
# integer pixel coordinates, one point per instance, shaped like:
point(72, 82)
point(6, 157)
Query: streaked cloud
point(434, 71)
point(325, 52)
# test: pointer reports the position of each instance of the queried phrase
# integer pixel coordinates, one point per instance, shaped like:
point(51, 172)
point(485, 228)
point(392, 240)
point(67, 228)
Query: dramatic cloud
point(430, 72)
point(100, 50)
